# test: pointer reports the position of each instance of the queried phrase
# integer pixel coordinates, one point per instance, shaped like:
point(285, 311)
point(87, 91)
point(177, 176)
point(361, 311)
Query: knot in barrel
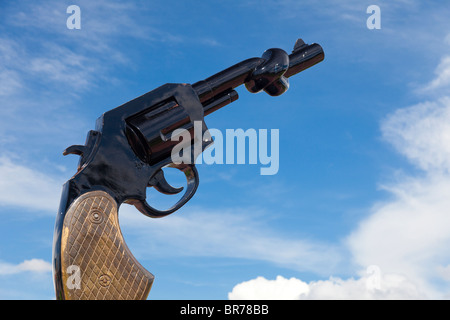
point(268, 76)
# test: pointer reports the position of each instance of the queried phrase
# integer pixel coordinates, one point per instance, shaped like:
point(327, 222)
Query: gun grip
point(95, 260)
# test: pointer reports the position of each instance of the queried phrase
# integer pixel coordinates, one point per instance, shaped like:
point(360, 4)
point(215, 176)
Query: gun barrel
point(226, 80)
point(303, 57)
point(219, 102)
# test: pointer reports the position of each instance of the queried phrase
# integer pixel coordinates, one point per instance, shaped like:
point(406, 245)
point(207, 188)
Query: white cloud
point(24, 65)
point(410, 233)
point(10, 82)
point(369, 286)
point(263, 289)
point(23, 187)
point(64, 66)
point(444, 272)
point(10, 79)
point(33, 265)
point(442, 79)
point(422, 134)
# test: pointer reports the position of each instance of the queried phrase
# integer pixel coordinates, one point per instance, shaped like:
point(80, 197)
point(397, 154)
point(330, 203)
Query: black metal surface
point(302, 57)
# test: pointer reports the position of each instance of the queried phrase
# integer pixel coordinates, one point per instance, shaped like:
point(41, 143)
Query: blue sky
point(363, 178)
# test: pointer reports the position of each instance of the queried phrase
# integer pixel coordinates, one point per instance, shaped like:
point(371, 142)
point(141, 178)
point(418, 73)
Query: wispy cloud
point(10, 79)
point(232, 233)
point(71, 61)
point(26, 188)
point(422, 134)
point(442, 79)
point(30, 279)
point(410, 233)
point(45, 68)
point(33, 265)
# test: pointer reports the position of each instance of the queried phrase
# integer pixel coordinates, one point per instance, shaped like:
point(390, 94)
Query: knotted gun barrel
point(268, 73)
point(125, 155)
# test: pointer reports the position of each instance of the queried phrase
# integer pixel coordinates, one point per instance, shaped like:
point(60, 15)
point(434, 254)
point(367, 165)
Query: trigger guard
point(190, 171)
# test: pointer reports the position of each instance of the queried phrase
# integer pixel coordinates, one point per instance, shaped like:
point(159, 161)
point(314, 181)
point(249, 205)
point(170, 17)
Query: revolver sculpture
point(126, 153)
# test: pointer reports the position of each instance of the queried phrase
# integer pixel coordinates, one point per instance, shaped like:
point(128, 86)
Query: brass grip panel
point(96, 263)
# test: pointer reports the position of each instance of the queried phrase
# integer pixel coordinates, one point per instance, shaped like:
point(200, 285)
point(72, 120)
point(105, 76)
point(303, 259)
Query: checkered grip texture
point(95, 261)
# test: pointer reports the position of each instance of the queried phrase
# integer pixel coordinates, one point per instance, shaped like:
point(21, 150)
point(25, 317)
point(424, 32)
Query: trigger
point(159, 182)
